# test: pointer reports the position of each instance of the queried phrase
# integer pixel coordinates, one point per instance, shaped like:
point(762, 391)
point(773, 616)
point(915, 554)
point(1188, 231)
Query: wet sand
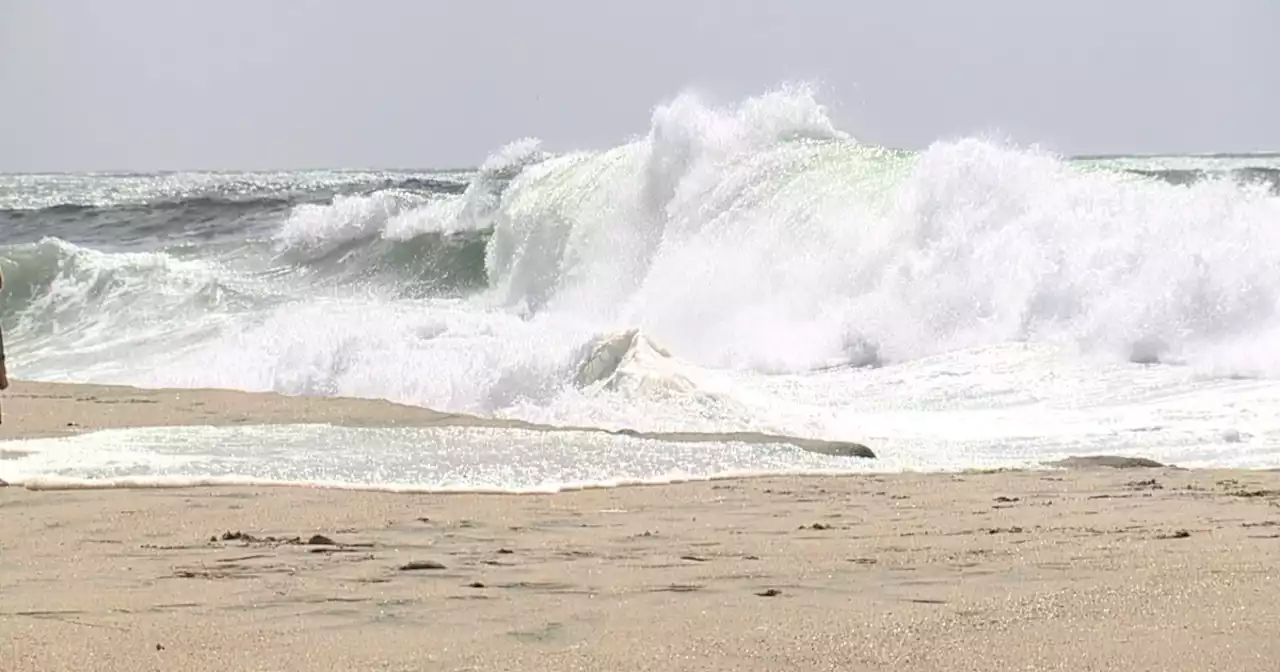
point(33, 409)
point(1072, 569)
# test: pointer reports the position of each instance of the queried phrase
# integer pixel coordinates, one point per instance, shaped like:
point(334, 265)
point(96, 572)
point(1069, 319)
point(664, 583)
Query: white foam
point(448, 458)
point(319, 228)
point(47, 483)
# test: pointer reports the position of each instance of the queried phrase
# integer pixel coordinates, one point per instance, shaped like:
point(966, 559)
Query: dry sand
point(1081, 569)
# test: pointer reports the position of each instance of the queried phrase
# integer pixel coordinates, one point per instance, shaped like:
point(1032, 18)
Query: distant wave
point(423, 243)
point(187, 216)
point(214, 203)
point(1269, 177)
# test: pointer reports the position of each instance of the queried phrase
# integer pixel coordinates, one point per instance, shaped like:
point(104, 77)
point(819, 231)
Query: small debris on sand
point(418, 565)
point(251, 539)
point(313, 540)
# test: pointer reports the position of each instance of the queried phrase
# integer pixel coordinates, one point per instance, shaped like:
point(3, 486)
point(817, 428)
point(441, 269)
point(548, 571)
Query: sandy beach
point(1068, 569)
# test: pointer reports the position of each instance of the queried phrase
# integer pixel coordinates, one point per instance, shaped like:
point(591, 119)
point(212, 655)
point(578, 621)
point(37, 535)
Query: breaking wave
point(752, 237)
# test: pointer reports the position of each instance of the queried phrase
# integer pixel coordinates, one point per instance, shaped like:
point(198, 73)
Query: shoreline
point(50, 410)
point(36, 410)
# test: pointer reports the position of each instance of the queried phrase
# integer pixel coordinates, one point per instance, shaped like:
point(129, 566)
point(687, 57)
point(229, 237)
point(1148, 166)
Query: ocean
point(741, 268)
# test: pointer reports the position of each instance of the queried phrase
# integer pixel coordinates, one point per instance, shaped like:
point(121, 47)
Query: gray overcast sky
point(169, 84)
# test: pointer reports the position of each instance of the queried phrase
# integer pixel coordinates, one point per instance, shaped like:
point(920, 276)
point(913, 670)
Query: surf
point(753, 257)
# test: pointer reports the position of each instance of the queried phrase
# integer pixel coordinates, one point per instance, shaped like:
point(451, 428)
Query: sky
point(266, 84)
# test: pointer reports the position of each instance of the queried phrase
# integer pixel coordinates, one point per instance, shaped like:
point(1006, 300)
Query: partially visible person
point(4, 373)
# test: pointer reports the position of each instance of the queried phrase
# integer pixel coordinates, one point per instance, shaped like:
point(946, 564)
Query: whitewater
point(737, 268)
